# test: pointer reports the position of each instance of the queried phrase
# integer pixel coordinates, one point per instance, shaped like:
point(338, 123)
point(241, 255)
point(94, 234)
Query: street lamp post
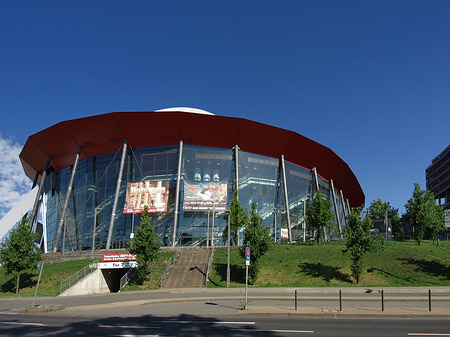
point(212, 229)
point(228, 260)
point(95, 229)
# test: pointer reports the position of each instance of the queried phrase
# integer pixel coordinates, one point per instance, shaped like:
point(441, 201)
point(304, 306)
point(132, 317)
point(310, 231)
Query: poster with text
point(154, 194)
point(203, 197)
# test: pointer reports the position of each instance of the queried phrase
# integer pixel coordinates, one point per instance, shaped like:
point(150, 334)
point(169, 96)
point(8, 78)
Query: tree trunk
point(17, 284)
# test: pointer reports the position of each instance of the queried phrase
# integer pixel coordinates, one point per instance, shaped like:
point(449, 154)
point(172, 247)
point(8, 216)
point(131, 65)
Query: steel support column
point(343, 203)
point(336, 210)
point(177, 193)
point(116, 197)
point(277, 199)
point(283, 167)
point(314, 171)
point(38, 196)
point(66, 202)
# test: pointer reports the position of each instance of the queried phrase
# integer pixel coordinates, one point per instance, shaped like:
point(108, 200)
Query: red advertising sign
point(118, 257)
point(154, 194)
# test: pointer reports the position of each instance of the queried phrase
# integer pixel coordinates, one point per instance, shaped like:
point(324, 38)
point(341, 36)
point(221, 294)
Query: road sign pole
point(246, 282)
point(40, 266)
point(247, 263)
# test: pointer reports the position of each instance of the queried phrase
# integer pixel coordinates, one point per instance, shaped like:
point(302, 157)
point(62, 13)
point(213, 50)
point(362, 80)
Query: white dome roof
point(186, 109)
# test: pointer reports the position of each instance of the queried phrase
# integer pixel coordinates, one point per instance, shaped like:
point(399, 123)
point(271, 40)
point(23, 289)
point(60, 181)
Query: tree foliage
point(319, 215)
point(359, 240)
point(18, 252)
point(424, 214)
point(257, 238)
point(145, 245)
point(238, 220)
point(377, 211)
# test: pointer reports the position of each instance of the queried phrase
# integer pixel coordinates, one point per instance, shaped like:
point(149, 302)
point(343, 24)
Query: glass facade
point(208, 179)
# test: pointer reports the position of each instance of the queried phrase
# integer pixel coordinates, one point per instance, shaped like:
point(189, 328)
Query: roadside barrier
point(370, 296)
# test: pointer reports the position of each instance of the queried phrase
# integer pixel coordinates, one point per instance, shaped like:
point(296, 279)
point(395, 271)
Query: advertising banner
point(118, 257)
point(154, 194)
point(200, 197)
point(284, 233)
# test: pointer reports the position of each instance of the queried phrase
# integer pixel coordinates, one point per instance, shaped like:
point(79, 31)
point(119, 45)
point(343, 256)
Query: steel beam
point(336, 210)
point(66, 202)
point(116, 197)
point(283, 167)
point(177, 193)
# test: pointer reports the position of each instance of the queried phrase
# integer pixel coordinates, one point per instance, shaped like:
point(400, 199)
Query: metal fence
point(79, 275)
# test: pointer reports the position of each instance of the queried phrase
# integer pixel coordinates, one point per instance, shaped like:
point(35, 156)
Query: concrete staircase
point(189, 271)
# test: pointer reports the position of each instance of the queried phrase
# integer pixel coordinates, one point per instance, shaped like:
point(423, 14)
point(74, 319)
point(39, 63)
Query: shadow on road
point(182, 325)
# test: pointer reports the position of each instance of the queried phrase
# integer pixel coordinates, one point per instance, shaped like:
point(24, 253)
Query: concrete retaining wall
point(94, 283)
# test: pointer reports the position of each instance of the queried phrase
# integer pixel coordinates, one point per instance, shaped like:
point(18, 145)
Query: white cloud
point(13, 181)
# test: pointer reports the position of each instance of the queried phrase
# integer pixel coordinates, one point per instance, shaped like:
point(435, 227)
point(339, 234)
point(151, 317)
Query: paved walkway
point(311, 302)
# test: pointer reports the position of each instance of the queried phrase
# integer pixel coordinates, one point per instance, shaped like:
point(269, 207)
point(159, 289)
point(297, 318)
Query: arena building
point(94, 175)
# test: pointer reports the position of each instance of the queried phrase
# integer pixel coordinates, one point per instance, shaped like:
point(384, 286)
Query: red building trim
point(102, 134)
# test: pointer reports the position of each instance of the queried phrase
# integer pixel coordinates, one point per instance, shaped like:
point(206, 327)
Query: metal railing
point(127, 277)
point(169, 264)
point(79, 275)
point(208, 269)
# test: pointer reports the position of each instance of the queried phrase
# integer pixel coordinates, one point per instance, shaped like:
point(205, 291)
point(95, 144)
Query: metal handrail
point(208, 269)
point(79, 275)
point(127, 277)
point(171, 262)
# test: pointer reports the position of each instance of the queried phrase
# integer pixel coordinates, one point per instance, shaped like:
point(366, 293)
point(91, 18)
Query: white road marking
point(281, 331)
point(427, 334)
point(8, 313)
point(24, 323)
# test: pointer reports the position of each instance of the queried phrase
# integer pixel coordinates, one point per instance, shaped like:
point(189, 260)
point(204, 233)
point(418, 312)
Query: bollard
point(382, 300)
point(296, 300)
point(429, 299)
point(340, 300)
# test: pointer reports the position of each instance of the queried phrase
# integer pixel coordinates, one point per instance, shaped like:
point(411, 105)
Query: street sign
point(247, 256)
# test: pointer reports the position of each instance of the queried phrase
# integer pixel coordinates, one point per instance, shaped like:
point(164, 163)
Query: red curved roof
point(105, 133)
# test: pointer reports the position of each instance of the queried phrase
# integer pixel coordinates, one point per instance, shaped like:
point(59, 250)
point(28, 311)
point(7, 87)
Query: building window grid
point(254, 167)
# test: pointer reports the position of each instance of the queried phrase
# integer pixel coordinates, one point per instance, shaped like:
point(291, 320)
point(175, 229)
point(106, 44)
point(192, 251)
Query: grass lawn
point(156, 269)
point(52, 275)
point(306, 265)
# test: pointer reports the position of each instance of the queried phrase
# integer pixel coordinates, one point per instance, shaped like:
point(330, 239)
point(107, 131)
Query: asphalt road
point(190, 325)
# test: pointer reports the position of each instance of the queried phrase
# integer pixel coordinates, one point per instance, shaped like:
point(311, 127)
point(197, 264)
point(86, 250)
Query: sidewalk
point(311, 302)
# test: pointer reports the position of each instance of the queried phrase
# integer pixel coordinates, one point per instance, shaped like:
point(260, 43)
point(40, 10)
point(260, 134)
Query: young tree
point(319, 215)
point(145, 245)
point(18, 252)
point(377, 211)
point(424, 214)
point(359, 240)
point(238, 220)
point(257, 238)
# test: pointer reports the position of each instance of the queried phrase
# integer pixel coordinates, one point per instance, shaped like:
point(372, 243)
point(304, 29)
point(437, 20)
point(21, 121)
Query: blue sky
point(369, 79)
